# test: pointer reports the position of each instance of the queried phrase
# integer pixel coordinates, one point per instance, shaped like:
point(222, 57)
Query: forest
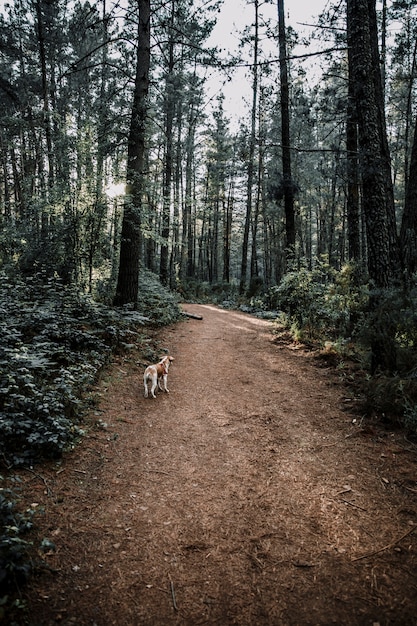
point(127, 186)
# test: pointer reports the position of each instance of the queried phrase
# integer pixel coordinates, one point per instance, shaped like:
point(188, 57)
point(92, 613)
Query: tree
point(376, 179)
point(130, 247)
point(169, 113)
point(288, 185)
point(374, 154)
point(352, 199)
point(251, 150)
point(408, 233)
point(405, 60)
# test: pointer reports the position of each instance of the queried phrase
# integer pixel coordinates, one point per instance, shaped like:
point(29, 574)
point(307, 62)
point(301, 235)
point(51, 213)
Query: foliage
point(318, 303)
point(396, 314)
point(156, 302)
point(323, 304)
point(55, 340)
point(204, 291)
point(394, 396)
point(15, 565)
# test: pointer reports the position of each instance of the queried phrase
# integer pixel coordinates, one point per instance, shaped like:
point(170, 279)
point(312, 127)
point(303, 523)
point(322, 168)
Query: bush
point(320, 303)
point(55, 340)
point(203, 291)
point(156, 302)
point(15, 565)
point(323, 304)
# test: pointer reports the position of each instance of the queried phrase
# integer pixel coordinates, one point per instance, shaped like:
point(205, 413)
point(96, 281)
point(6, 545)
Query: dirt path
point(245, 497)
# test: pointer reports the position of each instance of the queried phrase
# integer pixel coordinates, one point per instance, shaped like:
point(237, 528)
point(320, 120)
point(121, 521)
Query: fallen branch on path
point(48, 489)
point(387, 547)
point(353, 504)
point(174, 599)
point(194, 317)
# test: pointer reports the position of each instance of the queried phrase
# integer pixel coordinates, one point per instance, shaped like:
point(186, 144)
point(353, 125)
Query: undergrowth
point(158, 304)
point(55, 341)
point(329, 308)
point(15, 561)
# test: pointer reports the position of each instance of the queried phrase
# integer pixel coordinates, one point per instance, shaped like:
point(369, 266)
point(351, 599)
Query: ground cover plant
point(328, 307)
point(55, 341)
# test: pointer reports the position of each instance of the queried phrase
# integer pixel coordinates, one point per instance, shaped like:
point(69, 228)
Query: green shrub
point(156, 302)
point(203, 291)
point(55, 340)
point(320, 303)
point(15, 564)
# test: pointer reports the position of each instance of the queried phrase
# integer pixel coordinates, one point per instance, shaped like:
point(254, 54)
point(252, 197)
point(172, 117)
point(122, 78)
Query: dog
point(156, 374)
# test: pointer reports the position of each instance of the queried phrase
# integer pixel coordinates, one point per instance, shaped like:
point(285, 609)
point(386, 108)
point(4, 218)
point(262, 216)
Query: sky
point(232, 19)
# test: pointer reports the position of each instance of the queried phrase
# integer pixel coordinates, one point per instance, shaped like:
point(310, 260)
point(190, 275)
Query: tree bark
point(45, 94)
point(252, 139)
point(373, 145)
point(408, 233)
point(168, 163)
point(375, 173)
point(130, 248)
point(353, 198)
point(227, 230)
point(285, 136)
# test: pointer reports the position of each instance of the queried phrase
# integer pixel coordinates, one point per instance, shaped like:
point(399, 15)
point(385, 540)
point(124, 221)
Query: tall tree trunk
point(373, 144)
point(408, 234)
point(227, 230)
point(175, 257)
point(250, 173)
point(333, 257)
point(393, 243)
point(45, 93)
point(409, 118)
point(254, 269)
point(130, 247)
point(188, 230)
point(352, 200)
point(167, 175)
point(375, 170)
point(285, 136)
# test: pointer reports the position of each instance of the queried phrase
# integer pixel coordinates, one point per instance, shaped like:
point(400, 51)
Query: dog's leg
point(165, 377)
point(154, 385)
point(145, 384)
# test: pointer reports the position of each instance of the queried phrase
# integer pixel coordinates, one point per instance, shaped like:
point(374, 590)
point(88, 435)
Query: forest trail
point(246, 496)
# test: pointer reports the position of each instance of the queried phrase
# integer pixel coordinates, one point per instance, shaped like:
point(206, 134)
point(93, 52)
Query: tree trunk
point(175, 258)
point(227, 230)
point(252, 140)
point(375, 169)
point(352, 201)
point(130, 247)
point(408, 234)
point(45, 93)
point(376, 193)
point(285, 136)
point(169, 122)
point(188, 231)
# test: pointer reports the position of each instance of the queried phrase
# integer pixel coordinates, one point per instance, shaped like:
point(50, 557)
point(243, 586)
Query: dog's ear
point(171, 358)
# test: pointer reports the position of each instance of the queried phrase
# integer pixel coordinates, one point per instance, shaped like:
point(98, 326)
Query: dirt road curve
point(246, 496)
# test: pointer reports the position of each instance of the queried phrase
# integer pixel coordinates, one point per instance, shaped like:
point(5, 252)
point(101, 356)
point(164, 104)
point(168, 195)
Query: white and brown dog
point(156, 374)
